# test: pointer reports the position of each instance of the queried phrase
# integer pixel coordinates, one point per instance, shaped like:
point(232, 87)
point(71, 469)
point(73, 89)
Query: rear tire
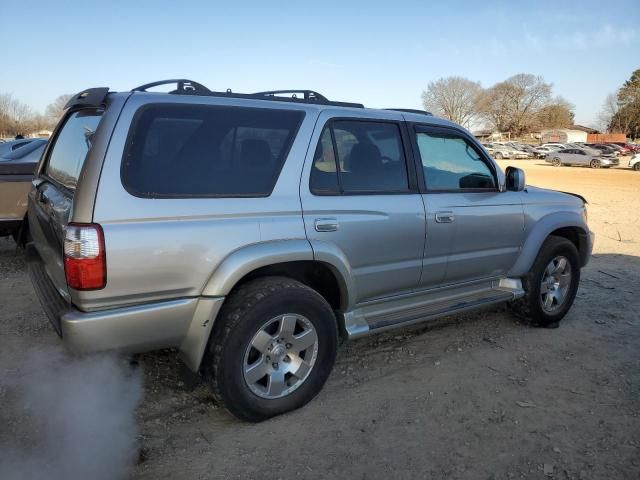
point(263, 329)
point(551, 284)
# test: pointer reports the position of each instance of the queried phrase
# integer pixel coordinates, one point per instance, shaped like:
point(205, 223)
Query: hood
point(544, 195)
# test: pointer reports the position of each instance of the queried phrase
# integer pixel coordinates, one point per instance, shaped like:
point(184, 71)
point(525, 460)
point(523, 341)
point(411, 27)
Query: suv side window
point(71, 146)
point(451, 163)
point(366, 156)
point(178, 151)
point(324, 173)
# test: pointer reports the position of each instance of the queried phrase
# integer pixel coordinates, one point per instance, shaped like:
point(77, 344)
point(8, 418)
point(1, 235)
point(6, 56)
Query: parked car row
point(594, 155)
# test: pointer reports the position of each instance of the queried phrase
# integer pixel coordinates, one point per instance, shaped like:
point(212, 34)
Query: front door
point(358, 200)
point(479, 228)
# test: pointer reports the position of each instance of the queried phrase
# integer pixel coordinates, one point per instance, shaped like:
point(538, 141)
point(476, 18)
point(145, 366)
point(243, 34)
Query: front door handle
point(445, 217)
point(326, 225)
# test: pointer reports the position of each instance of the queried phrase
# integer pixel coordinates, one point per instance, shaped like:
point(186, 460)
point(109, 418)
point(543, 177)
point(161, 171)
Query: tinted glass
point(370, 157)
point(324, 174)
point(450, 163)
point(201, 150)
point(71, 147)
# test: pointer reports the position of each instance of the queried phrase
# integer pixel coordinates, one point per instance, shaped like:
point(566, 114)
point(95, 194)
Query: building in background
point(564, 135)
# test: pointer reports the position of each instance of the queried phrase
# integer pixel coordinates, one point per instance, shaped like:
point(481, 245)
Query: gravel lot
point(476, 396)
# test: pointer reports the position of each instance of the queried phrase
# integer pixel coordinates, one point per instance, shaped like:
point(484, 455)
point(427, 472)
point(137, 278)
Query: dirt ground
point(475, 396)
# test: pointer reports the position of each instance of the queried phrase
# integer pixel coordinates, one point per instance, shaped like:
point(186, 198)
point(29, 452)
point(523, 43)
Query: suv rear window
point(207, 151)
point(71, 146)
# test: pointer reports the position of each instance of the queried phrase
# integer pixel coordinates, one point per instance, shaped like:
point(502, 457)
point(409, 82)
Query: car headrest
point(256, 154)
point(364, 157)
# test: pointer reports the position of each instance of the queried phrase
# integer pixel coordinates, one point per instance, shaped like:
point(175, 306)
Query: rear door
point(50, 201)
point(581, 157)
point(360, 199)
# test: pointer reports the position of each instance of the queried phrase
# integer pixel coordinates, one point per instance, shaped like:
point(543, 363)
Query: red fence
point(606, 137)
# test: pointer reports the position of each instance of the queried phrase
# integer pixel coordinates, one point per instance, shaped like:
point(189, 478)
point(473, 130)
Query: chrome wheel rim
point(280, 356)
point(556, 162)
point(556, 281)
point(595, 164)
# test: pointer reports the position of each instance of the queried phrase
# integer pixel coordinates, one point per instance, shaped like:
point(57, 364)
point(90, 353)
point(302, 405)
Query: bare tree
point(610, 109)
point(514, 105)
point(453, 98)
point(55, 109)
point(15, 117)
point(558, 114)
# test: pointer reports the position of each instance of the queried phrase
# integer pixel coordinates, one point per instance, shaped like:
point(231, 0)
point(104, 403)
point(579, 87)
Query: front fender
point(538, 234)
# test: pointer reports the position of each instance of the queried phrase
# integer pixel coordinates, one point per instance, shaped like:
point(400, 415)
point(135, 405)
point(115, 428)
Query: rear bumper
point(182, 323)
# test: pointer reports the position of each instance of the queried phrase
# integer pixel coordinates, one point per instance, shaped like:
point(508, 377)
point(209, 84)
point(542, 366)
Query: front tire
point(273, 347)
point(636, 167)
point(595, 164)
point(499, 156)
point(556, 162)
point(551, 284)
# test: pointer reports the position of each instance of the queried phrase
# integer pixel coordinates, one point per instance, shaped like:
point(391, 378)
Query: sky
point(382, 54)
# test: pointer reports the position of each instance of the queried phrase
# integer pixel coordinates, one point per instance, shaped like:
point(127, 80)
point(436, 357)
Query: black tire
point(636, 167)
point(556, 162)
point(241, 317)
point(498, 156)
point(530, 306)
point(595, 163)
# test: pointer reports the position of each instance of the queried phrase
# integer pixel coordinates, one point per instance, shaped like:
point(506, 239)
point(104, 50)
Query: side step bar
point(419, 307)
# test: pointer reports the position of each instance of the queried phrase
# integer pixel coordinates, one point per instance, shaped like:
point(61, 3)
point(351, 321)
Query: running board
point(417, 307)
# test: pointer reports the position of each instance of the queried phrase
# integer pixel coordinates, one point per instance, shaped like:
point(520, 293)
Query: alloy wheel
point(280, 356)
point(556, 281)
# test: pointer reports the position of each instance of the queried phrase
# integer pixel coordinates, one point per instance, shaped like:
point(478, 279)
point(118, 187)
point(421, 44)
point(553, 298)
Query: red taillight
point(85, 262)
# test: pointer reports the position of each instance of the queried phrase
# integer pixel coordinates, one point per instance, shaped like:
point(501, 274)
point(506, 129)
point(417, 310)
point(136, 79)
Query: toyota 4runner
point(252, 231)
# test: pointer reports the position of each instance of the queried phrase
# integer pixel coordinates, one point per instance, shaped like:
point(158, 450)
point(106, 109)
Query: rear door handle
point(326, 225)
point(445, 217)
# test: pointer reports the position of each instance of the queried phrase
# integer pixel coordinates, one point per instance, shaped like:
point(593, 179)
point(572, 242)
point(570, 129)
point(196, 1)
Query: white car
point(635, 162)
point(498, 151)
point(541, 152)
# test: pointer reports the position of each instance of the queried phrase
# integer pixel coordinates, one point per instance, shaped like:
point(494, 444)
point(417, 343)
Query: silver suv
point(252, 231)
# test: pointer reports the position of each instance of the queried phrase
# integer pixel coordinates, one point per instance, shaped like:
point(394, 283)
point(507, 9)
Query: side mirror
point(514, 179)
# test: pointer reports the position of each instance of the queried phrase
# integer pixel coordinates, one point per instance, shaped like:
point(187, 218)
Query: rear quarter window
point(178, 151)
point(71, 146)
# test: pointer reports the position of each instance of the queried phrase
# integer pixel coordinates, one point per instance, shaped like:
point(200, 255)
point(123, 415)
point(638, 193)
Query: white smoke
point(68, 418)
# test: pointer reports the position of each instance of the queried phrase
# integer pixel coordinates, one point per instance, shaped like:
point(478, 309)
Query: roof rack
point(189, 87)
point(411, 110)
point(306, 94)
point(183, 86)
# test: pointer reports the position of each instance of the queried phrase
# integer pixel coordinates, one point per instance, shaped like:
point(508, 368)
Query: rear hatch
point(54, 187)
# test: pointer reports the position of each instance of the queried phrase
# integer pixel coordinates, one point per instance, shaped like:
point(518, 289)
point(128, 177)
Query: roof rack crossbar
point(411, 110)
point(306, 94)
point(183, 85)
